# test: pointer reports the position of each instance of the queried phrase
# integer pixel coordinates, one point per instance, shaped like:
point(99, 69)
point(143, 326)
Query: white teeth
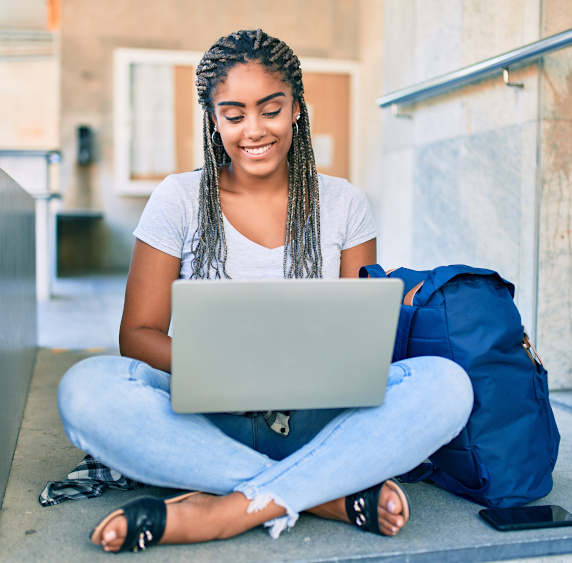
point(257, 150)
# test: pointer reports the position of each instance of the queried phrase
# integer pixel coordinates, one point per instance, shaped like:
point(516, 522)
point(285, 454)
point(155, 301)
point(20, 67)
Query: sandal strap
point(146, 518)
point(361, 509)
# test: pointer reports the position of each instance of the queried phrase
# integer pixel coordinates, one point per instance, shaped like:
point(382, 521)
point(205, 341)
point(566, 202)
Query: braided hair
point(302, 247)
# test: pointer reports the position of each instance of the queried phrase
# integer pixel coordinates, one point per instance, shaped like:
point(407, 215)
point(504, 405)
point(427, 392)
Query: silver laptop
point(282, 345)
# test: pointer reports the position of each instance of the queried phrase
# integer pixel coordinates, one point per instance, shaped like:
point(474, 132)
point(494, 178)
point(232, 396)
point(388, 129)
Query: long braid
point(302, 245)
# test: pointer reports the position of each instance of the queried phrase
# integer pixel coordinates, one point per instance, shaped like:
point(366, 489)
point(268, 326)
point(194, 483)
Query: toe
point(113, 534)
point(390, 511)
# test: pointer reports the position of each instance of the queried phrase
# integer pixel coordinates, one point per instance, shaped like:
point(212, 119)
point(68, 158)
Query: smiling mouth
point(257, 150)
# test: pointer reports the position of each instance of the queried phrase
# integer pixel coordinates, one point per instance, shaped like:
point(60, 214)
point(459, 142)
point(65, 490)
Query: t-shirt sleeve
point(164, 224)
point(360, 221)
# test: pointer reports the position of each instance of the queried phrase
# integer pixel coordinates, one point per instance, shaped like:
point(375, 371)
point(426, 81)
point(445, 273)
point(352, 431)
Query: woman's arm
point(354, 258)
point(147, 311)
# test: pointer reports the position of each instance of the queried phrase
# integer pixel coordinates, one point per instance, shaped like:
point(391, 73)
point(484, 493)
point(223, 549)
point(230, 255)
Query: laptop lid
point(282, 345)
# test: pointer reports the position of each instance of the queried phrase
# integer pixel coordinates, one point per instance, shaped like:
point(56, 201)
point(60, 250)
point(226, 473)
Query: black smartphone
point(526, 517)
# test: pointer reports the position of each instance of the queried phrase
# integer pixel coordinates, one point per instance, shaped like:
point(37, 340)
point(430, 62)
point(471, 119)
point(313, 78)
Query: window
point(158, 121)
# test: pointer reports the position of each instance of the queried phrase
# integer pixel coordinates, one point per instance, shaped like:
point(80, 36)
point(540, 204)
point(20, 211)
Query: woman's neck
point(237, 181)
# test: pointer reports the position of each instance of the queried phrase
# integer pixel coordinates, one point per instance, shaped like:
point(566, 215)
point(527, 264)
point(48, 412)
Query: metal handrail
point(477, 71)
point(26, 44)
point(51, 156)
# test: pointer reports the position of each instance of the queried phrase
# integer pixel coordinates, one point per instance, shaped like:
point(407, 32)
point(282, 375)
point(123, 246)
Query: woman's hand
point(147, 311)
point(353, 259)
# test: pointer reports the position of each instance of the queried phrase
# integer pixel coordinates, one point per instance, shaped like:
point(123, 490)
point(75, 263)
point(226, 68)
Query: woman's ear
point(295, 111)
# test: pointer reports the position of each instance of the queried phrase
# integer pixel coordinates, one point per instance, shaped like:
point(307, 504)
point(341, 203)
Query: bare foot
point(389, 510)
point(197, 518)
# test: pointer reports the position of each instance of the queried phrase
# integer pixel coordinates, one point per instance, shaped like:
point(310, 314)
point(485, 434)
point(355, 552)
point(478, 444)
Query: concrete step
point(442, 528)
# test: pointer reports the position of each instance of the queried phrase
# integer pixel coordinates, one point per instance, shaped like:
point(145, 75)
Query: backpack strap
point(438, 476)
point(405, 316)
point(408, 299)
point(438, 277)
point(450, 483)
point(372, 271)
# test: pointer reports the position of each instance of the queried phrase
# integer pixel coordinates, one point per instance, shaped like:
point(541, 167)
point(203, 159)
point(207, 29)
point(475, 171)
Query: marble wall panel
point(399, 38)
point(470, 199)
point(555, 253)
point(438, 31)
point(555, 241)
point(557, 85)
point(434, 122)
point(527, 276)
point(490, 184)
point(491, 104)
point(392, 205)
point(557, 16)
point(398, 132)
point(436, 204)
point(490, 28)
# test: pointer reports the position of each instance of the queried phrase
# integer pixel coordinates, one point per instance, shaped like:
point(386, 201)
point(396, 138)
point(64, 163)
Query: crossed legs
point(427, 403)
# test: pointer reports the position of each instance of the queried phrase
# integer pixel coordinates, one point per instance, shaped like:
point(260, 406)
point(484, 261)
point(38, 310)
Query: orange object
point(53, 14)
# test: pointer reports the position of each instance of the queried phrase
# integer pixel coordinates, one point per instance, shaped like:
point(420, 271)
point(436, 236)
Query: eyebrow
point(259, 102)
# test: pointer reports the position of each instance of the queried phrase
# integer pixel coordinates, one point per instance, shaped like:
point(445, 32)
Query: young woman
point(257, 209)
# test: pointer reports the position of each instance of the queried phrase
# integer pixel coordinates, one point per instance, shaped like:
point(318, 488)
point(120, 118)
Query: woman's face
point(254, 111)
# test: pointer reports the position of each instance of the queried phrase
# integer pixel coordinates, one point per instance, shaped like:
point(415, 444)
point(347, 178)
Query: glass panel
point(152, 147)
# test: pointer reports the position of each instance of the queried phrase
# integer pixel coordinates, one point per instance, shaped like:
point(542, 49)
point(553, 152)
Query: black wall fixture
point(85, 145)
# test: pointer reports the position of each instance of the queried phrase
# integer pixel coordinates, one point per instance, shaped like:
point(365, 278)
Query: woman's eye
point(234, 119)
point(272, 113)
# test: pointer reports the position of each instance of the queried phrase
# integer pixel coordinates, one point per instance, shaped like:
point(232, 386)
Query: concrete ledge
point(17, 313)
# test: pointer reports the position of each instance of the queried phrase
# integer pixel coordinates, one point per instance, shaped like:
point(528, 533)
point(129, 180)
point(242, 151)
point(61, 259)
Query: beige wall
point(16, 14)
point(91, 31)
point(29, 105)
point(481, 174)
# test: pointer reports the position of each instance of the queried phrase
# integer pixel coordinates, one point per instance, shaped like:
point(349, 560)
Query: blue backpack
point(506, 453)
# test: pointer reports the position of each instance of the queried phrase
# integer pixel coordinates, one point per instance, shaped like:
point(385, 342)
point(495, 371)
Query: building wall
point(481, 174)
point(91, 31)
point(555, 228)
point(32, 86)
point(18, 313)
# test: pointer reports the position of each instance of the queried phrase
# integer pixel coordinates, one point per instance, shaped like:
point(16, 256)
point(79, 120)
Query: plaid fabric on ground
point(88, 480)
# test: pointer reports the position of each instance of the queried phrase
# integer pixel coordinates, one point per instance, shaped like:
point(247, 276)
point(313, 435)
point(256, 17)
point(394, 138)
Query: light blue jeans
point(118, 410)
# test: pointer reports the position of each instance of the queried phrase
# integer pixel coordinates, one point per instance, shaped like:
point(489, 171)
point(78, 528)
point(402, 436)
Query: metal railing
point(18, 158)
point(477, 71)
point(26, 44)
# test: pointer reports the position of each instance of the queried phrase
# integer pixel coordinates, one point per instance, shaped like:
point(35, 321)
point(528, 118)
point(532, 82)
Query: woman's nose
point(254, 128)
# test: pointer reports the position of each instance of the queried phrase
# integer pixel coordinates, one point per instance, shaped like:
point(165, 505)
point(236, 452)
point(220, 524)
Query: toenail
point(390, 506)
point(110, 536)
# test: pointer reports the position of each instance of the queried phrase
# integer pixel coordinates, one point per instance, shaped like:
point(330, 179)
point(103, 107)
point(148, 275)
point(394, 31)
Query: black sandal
point(361, 507)
point(146, 518)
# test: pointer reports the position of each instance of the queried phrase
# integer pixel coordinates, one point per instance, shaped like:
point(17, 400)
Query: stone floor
point(82, 319)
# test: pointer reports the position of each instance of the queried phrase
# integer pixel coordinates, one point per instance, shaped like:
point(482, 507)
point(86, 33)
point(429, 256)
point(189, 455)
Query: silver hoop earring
point(297, 130)
point(212, 138)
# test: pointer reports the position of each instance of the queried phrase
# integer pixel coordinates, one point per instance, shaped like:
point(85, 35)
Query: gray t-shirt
point(169, 223)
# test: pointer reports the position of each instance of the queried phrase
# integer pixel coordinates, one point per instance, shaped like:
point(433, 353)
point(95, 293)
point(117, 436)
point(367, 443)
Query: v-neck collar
point(228, 226)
